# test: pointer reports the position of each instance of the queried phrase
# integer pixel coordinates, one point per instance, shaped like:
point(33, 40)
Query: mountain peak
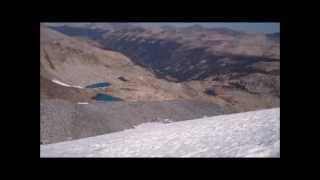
point(195, 27)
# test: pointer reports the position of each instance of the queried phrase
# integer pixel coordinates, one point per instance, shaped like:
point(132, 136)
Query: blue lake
point(99, 85)
point(105, 97)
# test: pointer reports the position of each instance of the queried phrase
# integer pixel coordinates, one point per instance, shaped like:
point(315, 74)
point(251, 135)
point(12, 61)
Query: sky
point(268, 27)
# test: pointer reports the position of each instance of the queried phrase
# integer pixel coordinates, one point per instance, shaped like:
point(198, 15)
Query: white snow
point(64, 84)
point(249, 134)
point(60, 83)
point(83, 103)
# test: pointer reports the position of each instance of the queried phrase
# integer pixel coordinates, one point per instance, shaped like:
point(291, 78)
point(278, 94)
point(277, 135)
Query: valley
point(102, 78)
point(198, 58)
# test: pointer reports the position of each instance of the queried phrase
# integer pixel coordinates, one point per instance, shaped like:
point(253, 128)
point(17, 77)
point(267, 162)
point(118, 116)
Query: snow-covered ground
point(249, 134)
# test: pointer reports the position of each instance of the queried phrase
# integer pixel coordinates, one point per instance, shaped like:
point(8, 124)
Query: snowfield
point(249, 134)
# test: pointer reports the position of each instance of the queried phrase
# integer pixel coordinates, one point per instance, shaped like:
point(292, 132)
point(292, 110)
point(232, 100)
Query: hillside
point(79, 64)
point(250, 134)
point(63, 120)
point(242, 69)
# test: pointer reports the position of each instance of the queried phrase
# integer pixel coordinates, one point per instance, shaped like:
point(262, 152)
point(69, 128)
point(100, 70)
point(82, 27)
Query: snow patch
point(60, 83)
point(66, 85)
point(248, 134)
point(83, 103)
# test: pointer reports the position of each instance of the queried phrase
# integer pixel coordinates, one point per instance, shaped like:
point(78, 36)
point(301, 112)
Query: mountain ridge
point(239, 81)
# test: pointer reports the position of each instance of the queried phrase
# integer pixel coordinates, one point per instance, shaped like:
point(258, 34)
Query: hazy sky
point(248, 27)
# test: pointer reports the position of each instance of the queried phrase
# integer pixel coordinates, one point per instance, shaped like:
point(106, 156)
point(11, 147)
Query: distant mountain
point(194, 28)
point(243, 69)
point(274, 36)
point(168, 27)
point(228, 31)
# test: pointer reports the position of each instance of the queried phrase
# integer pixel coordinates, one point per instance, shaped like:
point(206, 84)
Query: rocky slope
point(243, 69)
point(63, 120)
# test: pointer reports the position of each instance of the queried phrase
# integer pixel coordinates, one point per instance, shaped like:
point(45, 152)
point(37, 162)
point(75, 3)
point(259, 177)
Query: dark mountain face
point(172, 53)
point(80, 31)
point(274, 36)
point(214, 57)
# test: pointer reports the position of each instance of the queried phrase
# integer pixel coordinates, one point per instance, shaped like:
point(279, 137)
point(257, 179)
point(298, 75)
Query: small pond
point(105, 97)
point(99, 85)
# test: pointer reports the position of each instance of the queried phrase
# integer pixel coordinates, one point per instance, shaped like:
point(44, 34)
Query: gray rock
point(62, 120)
